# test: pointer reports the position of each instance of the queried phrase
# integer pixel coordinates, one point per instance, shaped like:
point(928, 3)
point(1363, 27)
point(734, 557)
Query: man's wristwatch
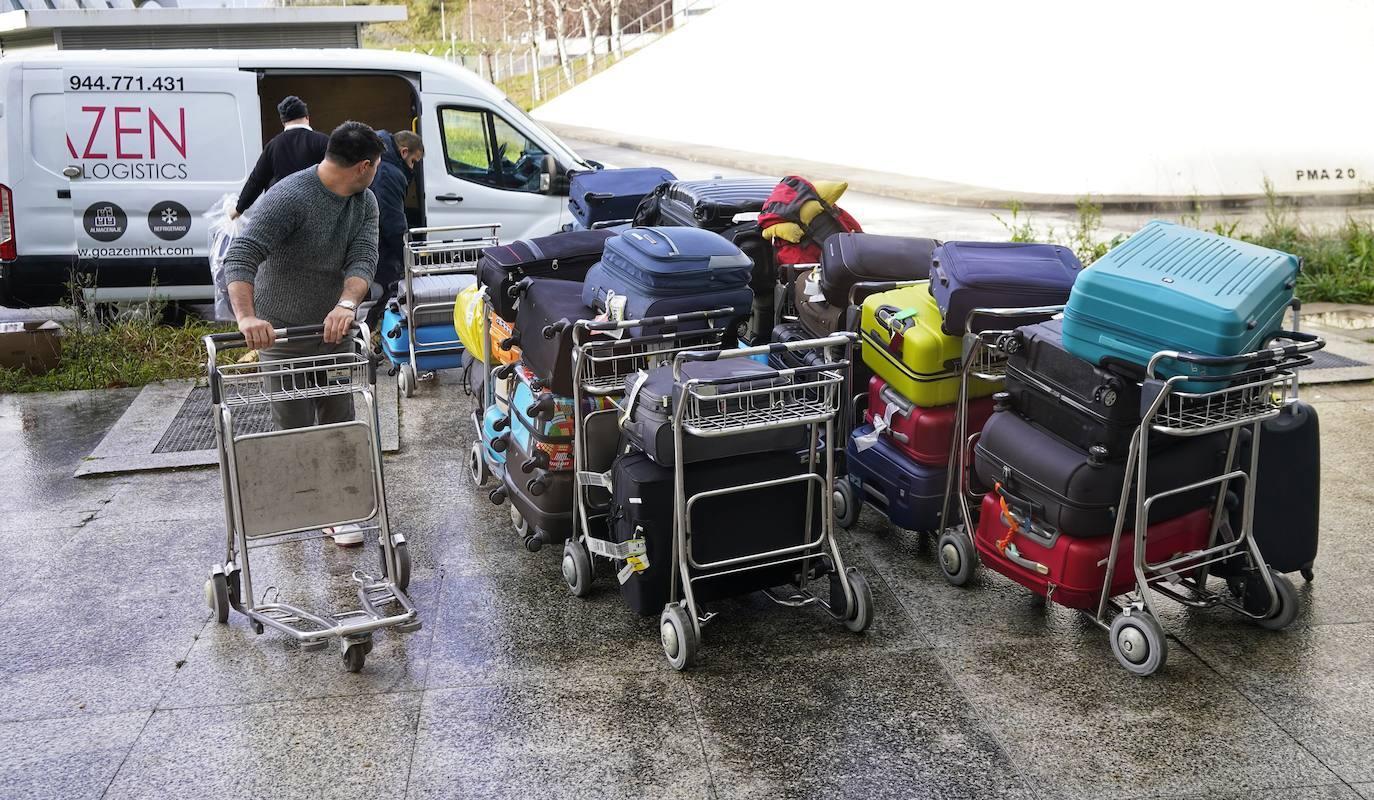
point(348, 304)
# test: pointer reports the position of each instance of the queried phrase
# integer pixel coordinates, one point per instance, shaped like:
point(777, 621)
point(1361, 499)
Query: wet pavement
point(116, 682)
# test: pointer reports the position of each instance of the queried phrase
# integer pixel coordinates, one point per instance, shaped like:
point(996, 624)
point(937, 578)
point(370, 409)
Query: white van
point(110, 158)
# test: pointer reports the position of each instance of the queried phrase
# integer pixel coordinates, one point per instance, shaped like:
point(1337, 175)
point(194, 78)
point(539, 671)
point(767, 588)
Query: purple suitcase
point(969, 275)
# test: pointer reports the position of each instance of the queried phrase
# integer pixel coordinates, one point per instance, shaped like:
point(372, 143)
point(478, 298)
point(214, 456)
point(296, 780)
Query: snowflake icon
point(169, 216)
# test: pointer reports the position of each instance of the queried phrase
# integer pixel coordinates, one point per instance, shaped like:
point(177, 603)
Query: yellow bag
point(467, 319)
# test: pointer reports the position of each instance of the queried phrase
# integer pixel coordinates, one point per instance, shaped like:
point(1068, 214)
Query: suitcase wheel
point(957, 556)
point(847, 504)
point(678, 635)
point(1138, 642)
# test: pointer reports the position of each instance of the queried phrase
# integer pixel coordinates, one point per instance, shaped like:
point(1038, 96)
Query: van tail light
point(9, 251)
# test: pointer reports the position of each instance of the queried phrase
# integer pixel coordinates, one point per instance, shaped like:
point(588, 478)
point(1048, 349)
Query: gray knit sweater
point(301, 242)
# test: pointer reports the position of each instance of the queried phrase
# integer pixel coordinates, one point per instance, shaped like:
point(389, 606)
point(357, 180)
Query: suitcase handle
point(845, 339)
point(887, 317)
point(596, 326)
point(589, 196)
point(892, 398)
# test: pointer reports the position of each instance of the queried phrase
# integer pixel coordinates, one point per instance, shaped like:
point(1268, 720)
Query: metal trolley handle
point(842, 339)
point(1272, 357)
point(232, 340)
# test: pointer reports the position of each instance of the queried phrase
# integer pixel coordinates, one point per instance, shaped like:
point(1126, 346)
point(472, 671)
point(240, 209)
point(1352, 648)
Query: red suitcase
point(1077, 567)
point(924, 434)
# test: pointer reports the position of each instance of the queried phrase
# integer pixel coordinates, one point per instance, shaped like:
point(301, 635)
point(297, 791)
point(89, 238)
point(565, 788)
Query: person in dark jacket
point(294, 149)
point(390, 186)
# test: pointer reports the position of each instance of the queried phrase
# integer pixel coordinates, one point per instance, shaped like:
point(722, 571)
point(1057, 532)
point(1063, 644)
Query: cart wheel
point(217, 596)
point(235, 587)
point(403, 564)
point(355, 655)
point(678, 636)
point(477, 465)
point(577, 568)
point(847, 504)
point(522, 526)
point(1138, 642)
point(1289, 604)
point(406, 383)
point(862, 614)
point(1307, 574)
point(957, 557)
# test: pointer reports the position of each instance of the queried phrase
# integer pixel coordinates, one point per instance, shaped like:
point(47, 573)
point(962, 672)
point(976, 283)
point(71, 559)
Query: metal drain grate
point(191, 430)
point(1325, 359)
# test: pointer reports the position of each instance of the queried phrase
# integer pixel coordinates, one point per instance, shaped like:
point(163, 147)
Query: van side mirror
point(553, 180)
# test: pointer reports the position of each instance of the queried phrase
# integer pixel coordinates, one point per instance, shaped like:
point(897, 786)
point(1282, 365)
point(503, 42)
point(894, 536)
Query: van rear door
point(149, 152)
point(42, 196)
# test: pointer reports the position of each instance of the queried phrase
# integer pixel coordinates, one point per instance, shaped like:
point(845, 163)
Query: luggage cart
point(603, 363)
point(983, 358)
point(812, 399)
point(284, 486)
point(431, 255)
point(1245, 399)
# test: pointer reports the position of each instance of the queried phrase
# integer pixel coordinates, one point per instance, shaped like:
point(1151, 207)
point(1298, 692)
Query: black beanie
point(292, 107)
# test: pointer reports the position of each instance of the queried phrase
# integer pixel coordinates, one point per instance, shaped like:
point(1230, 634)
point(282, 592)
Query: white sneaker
point(346, 535)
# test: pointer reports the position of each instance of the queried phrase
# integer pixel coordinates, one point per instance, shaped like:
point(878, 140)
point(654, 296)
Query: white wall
point(1169, 97)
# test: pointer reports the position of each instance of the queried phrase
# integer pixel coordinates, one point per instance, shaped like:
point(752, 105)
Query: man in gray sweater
point(308, 256)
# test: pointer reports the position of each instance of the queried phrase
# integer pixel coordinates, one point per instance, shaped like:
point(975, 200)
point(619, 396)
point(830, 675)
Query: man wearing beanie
point(292, 150)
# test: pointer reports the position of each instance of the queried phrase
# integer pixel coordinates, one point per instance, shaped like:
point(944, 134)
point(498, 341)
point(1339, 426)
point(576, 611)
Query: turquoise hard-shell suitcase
point(1171, 287)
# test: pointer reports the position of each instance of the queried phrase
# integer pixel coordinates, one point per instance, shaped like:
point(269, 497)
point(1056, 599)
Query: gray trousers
point(311, 411)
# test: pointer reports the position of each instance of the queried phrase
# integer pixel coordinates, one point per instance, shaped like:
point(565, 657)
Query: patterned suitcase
point(542, 422)
point(900, 332)
point(910, 493)
point(1171, 287)
point(969, 275)
point(1071, 571)
point(923, 434)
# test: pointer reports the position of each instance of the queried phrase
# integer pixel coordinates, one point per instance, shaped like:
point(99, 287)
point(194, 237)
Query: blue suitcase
point(911, 493)
point(649, 272)
point(611, 195)
point(969, 275)
point(397, 348)
point(1171, 287)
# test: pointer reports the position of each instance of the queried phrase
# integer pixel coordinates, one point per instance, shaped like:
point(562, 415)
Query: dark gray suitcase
point(714, 204)
point(1081, 403)
point(1064, 490)
point(652, 396)
point(544, 499)
point(1287, 516)
point(850, 258)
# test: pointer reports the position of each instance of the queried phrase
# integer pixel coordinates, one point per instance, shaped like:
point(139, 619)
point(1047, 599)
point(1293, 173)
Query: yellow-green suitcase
point(903, 345)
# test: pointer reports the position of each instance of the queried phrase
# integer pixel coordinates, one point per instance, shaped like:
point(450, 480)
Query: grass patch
point(124, 352)
point(1338, 260)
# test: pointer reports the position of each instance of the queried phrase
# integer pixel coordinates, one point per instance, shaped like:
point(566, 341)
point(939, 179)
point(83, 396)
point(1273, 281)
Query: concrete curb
point(924, 190)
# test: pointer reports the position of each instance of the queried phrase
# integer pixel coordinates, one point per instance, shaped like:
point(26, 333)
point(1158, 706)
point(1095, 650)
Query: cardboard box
point(33, 346)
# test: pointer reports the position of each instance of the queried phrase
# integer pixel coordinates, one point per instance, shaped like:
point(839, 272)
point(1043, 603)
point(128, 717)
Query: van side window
point(484, 148)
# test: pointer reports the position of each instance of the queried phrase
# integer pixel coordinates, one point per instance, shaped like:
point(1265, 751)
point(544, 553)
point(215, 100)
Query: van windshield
point(565, 154)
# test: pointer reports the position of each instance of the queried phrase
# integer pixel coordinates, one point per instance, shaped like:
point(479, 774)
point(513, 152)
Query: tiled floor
point(115, 683)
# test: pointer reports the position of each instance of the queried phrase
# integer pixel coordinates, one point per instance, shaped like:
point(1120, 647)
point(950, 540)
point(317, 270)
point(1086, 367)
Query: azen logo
point(130, 143)
point(1325, 174)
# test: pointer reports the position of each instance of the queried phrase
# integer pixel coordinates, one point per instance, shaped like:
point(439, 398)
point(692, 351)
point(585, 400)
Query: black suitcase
point(723, 526)
point(564, 256)
point(544, 499)
point(652, 396)
point(1081, 403)
point(1076, 494)
point(713, 204)
point(1288, 490)
point(793, 332)
point(848, 258)
point(545, 316)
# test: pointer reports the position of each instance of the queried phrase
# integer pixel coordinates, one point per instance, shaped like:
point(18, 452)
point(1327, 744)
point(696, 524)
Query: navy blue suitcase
point(912, 492)
point(969, 275)
point(611, 195)
point(664, 262)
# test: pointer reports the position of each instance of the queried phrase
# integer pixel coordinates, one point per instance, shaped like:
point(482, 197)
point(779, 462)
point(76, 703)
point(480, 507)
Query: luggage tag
point(812, 288)
point(880, 424)
point(615, 312)
point(641, 378)
point(899, 331)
